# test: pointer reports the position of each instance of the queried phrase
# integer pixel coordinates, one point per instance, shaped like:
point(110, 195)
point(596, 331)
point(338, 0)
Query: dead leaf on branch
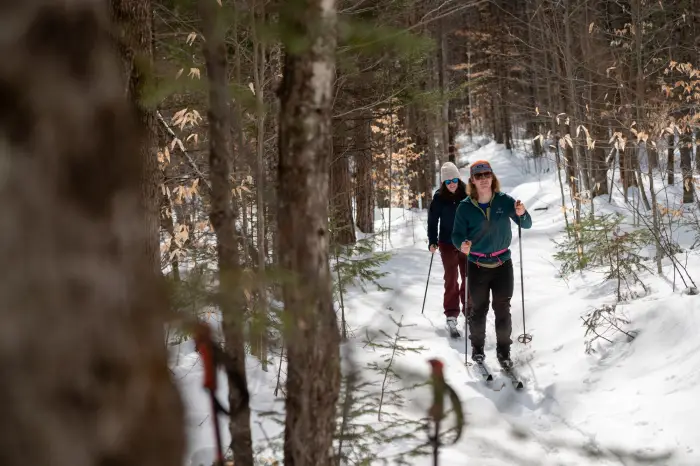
point(183, 192)
point(184, 117)
point(182, 233)
point(569, 141)
point(164, 157)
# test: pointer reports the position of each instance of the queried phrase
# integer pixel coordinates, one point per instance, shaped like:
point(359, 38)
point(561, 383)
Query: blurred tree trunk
point(84, 368)
point(222, 215)
point(133, 23)
point(313, 367)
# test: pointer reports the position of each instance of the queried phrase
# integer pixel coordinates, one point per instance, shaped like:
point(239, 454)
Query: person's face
point(452, 184)
point(482, 181)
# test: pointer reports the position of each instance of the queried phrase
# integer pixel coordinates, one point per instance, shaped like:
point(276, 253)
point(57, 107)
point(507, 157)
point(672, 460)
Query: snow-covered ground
point(626, 399)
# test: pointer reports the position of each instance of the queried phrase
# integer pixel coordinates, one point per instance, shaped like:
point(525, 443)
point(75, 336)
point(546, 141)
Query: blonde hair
point(495, 185)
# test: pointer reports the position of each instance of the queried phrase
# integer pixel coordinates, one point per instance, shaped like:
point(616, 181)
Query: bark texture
point(223, 219)
point(364, 185)
point(304, 139)
point(133, 26)
point(82, 359)
point(341, 188)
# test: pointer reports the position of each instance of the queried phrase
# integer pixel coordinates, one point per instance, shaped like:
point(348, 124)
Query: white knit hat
point(449, 171)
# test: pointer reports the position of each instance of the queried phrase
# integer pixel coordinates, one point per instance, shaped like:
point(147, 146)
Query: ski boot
point(478, 353)
point(503, 356)
point(452, 327)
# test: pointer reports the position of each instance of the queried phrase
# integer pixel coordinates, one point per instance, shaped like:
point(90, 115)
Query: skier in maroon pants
point(442, 213)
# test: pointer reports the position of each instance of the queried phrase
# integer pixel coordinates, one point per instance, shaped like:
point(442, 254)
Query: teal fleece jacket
point(489, 231)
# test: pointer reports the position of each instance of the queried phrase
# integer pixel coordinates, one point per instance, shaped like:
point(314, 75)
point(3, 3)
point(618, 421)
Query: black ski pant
point(483, 281)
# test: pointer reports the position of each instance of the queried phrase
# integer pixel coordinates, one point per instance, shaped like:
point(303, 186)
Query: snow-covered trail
point(490, 414)
point(638, 398)
point(572, 402)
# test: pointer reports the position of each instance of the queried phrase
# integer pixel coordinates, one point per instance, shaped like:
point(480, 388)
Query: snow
point(627, 398)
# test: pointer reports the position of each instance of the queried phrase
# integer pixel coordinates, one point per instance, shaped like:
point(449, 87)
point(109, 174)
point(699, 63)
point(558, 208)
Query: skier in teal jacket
point(482, 231)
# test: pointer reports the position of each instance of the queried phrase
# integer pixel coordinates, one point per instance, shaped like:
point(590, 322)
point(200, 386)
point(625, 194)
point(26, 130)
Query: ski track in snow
point(638, 396)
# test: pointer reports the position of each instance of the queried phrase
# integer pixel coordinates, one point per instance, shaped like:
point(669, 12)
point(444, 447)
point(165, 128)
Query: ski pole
point(525, 337)
point(467, 312)
point(428, 281)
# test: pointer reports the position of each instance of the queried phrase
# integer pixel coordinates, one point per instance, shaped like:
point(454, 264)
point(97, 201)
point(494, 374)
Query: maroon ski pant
point(454, 262)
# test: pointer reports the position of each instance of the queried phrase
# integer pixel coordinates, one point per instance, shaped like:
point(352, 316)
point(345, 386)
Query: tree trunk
point(557, 153)
point(653, 159)
point(427, 160)
point(497, 120)
point(670, 160)
point(222, 216)
point(639, 86)
point(534, 89)
point(628, 161)
point(420, 185)
point(261, 324)
point(651, 150)
point(686, 149)
point(471, 125)
point(697, 152)
point(569, 160)
point(241, 145)
point(503, 76)
point(133, 25)
point(572, 111)
point(443, 80)
point(313, 367)
point(343, 226)
point(599, 156)
point(85, 379)
point(364, 186)
point(431, 170)
point(451, 133)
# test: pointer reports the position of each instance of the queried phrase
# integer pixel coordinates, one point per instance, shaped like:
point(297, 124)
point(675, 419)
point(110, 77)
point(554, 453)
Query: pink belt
point(492, 254)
